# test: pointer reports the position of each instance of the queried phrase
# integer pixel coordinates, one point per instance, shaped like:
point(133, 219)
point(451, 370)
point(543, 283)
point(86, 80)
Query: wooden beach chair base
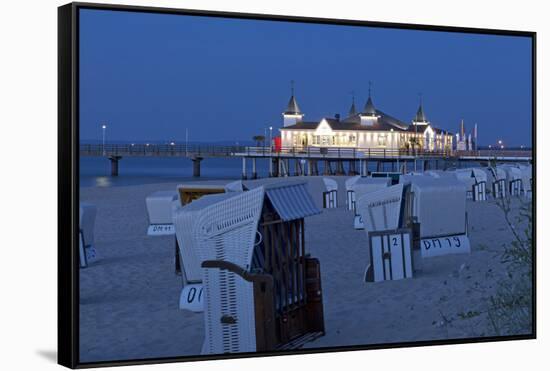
point(278, 329)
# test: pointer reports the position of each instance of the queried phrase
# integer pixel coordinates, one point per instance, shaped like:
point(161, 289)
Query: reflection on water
point(103, 181)
point(95, 171)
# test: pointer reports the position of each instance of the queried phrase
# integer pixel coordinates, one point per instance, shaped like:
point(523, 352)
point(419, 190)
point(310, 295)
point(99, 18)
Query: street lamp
point(103, 127)
point(270, 137)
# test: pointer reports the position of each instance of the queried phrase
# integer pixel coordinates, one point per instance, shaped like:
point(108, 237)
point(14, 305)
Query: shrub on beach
point(510, 308)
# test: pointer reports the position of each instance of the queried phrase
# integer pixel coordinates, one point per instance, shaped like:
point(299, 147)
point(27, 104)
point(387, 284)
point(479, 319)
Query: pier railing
point(378, 153)
point(205, 150)
point(167, 150)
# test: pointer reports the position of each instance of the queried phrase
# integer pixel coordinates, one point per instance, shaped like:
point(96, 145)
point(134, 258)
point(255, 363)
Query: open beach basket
point(262, 291)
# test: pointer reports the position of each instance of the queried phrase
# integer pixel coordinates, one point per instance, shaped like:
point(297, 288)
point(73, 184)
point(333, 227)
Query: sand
point(129, 296)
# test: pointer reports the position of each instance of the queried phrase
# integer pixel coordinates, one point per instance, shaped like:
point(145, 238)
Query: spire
point(292, 107)
point(369, 109)
point(352, 109)
point(420, 116)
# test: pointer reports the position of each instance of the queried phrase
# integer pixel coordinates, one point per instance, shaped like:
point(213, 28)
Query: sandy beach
point(129, 296)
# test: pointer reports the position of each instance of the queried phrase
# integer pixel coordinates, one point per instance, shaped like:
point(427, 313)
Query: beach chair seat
point(87, 217)
point(160, 208)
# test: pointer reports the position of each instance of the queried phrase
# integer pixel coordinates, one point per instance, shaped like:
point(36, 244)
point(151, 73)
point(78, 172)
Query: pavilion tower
point(369, 116)
point(420, 117)
point(292, 115)
point(352, 109)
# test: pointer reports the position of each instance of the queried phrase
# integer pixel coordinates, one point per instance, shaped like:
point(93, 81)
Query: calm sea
point(96, 171)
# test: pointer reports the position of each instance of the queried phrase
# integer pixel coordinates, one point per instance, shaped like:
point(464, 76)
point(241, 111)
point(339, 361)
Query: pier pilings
point(196, 166)
point(114, 164)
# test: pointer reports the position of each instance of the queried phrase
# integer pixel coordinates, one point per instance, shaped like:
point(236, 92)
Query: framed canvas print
point(237, 185)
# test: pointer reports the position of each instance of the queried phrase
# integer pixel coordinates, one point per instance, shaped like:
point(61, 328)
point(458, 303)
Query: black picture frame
point(68, 180)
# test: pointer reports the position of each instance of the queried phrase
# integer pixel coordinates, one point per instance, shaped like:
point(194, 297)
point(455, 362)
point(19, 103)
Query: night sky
point(151, 76)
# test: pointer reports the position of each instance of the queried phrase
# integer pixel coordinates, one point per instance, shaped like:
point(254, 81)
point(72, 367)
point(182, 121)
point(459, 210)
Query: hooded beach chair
point(439, 208)
point(513, 179)
point(526, 179)
point(475, 181)
point(160, 208)
point(350, 195)
point(261, 291)
point(390, 246)
point(330, 195)
point(496, 177)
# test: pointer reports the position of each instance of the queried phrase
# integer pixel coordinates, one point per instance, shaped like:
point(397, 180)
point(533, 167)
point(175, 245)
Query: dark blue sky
point(150, 76)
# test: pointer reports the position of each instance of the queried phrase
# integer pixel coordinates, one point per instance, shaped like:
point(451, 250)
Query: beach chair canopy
point(291, 200)
point(512, 172)
point(314, 185)
point(330, 184)
point(366, 185)
point(479, 174)
point(185, 223)
point(495, 173)
point(381, 209)
point(351, 181)
point(466, 177)
point(439, 204)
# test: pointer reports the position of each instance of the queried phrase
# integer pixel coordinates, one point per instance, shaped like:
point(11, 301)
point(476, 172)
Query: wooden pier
point(305, 161)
